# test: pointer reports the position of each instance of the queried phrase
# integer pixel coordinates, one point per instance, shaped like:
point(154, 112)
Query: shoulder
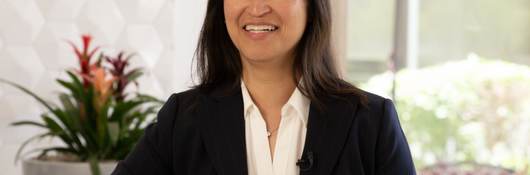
point(185, 100)
point(381, 129)
point(185, 96)
point(196, 93)
point(176, 106)
point(369, 101)
point(376, 102)
point(376, 111)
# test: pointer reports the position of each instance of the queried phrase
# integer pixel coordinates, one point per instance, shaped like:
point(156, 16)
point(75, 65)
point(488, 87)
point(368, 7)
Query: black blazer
point(200, 133)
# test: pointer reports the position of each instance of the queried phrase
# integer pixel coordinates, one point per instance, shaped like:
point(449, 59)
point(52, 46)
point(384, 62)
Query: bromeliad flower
point(102, 84)
point(84, 56)
point(119, 64)
point(94, 121)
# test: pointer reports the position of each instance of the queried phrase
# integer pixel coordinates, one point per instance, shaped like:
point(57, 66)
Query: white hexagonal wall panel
point(140, 11)
point(27, 60)
point(21, 21)
point(52, 47)
point(20, 64)
point(164, 70)
point(102, 19)
point(1, 43)
point(34, 51)
point(165, 17)
point(143, 40)
point(60, 10)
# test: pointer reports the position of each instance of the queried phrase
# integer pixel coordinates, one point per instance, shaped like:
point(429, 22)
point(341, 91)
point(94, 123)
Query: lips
point(260, 28)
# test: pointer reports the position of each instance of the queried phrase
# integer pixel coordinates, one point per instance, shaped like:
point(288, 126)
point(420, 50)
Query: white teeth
point(260, 28)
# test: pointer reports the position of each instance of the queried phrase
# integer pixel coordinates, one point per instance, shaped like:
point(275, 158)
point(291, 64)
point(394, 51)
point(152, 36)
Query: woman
point(270, 102)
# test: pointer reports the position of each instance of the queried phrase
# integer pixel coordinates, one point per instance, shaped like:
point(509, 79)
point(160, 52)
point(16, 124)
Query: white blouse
point(290, 137)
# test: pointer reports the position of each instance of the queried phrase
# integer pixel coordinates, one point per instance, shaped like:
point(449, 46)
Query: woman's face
point(265, 30)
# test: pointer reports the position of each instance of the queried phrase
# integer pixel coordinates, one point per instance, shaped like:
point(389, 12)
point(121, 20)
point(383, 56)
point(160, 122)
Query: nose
point(259, 8)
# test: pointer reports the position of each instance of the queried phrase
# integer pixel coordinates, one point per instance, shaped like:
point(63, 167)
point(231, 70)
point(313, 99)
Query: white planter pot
point(40, 167)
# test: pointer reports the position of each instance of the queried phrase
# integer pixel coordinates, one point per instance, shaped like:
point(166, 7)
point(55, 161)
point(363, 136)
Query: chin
point(259, 55)
point(258, 58)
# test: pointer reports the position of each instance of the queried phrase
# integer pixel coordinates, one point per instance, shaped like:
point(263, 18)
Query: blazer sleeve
point(392, 150)
point(152, 153)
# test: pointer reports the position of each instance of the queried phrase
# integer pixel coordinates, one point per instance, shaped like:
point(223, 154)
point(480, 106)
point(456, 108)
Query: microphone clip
point(306, 162)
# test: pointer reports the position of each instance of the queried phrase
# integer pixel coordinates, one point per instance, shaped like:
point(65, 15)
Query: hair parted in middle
point(218, 62)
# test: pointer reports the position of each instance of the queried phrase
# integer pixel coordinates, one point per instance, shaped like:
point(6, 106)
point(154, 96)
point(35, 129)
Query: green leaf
point(87, 131)
point(149, 98)
point(52, 125)
point(114, 130)
point(94, 166)
point(133, 74)
point(101, 128)
point(32, 123)
point(76, 80)
point(76, 91)
point(57, 130)
point(44, 151)
point(27, 91)
point(71, 127)
point(25, 143)
point(70, 113)
point(142, 115)
point(122, 108)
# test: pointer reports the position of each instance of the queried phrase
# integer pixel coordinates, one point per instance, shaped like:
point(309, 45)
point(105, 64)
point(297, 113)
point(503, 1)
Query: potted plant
point(97, 120)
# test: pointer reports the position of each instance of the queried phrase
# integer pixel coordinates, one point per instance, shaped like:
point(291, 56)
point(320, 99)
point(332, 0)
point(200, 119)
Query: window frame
point(406, 36)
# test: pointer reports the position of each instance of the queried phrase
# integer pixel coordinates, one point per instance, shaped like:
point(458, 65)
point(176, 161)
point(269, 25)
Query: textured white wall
point(33, 51)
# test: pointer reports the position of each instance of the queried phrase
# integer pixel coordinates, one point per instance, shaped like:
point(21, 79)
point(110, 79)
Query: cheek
point(301, 15)
point(295, 18)
point(232, 10)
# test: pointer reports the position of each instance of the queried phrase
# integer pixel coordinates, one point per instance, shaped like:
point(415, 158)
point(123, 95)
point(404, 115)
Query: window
point(447, 30)
point(466, 97)
point(370, 28)
point(451, 29)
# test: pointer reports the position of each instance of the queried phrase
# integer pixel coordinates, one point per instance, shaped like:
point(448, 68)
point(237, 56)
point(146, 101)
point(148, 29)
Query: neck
point(269, 84)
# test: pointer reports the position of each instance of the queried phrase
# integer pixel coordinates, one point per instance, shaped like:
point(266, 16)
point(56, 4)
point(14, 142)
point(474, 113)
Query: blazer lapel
point(223, 131)
point(326, 134)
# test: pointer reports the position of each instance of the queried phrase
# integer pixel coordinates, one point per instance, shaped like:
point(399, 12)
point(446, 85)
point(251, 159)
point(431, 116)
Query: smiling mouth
point(260, 28)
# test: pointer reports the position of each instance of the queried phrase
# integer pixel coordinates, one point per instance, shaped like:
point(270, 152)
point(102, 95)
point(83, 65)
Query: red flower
point(119, 63)
point(84, 56)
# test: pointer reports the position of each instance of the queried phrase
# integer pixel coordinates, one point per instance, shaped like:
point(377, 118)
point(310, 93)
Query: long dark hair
point(219, 62)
